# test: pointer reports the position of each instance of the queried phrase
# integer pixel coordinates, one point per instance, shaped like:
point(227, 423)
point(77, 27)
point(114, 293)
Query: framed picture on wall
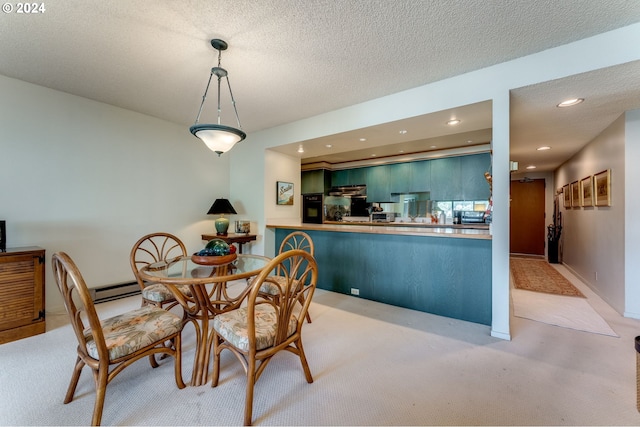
point(566, 195)
point(575, 194)
point(602, 188)
point(586, 185)
point(284, 193)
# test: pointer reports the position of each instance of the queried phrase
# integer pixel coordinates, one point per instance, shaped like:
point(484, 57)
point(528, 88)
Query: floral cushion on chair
point(271, 288)
point(232, 326)
point(127, 333)
point(157, 292)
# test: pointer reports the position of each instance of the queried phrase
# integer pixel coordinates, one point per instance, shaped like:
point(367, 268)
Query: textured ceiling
point(287, 60)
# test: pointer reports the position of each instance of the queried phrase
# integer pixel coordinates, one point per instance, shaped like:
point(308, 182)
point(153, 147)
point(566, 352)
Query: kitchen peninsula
point(441, 270)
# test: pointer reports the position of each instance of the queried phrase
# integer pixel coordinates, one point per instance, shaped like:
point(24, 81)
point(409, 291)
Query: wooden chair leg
point(177, 362)
point(77, 370)
point(216, 361)
point(303, 360)
point(101, 389)
point(251, 380)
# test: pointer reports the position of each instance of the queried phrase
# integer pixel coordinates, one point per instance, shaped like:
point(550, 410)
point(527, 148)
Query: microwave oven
point(383, 217)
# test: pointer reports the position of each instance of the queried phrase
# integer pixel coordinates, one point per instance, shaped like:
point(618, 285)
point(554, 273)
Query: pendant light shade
point(217, 137)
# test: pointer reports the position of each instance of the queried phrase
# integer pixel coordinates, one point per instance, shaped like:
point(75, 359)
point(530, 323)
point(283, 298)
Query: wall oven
point(312, 208)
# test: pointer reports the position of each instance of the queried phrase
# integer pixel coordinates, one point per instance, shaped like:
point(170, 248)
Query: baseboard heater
point(111, 292)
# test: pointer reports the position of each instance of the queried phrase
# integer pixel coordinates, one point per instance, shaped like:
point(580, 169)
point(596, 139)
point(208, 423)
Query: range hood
point(349, 191)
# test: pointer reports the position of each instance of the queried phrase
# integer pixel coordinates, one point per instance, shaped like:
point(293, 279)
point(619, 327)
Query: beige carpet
point(373, 364)
point(533, 274)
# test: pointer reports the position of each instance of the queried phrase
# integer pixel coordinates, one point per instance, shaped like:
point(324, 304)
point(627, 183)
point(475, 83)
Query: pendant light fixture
point(217, 137)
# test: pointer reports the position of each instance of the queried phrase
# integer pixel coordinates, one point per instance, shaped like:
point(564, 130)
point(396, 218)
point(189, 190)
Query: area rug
point(563, 311)
point(538, 275)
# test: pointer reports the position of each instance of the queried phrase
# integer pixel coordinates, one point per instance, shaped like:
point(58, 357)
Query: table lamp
point(221, 207)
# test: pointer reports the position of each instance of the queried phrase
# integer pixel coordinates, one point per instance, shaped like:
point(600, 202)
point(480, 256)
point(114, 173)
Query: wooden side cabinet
point(21, 293)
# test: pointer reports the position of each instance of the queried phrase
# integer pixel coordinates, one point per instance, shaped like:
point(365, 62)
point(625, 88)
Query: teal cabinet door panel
point(420, 176)
point(339, 177)
point(378, 184)
point(444, 276)
point(446, 179)
point(474, 184)
point(400, 177)
point(357, 176)
point(313, 181)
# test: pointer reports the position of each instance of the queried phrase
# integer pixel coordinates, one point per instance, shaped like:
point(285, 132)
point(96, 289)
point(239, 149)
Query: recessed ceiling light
point(300, 149)
point(373, 155)
point(363, 139)
point(401, 151)
point(543, 148)
point(328, 145)
point(403, 131)
point(469, 141)
point(453, 122)
point(570, 102)
point(434, 146)
point(531, 167)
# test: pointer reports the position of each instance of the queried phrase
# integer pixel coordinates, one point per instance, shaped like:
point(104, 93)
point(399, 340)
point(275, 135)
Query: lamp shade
point(218, 138)
point(221, 206)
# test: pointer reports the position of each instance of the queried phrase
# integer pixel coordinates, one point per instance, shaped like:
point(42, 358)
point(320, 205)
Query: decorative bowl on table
point(213, 259)
point(216, 252)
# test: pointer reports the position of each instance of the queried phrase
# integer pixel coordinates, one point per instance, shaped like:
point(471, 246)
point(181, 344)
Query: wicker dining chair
point(295, 240)
point(258, 331)
point(150, 249)
point(108, 346)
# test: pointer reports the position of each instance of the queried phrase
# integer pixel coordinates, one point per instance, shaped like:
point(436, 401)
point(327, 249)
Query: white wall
point(256, 188)
point(90, 179)
point(632, 207)
point(593, 238)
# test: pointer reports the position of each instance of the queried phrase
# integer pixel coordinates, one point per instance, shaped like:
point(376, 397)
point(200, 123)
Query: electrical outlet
point(355, 291)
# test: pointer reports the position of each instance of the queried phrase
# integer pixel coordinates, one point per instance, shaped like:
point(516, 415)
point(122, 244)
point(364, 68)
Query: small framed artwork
point(284, 193)
point(566, 195)
point(602, 187)
point(575, 194)
point(586, 185)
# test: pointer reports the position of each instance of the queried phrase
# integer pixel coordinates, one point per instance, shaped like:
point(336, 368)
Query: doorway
point(527, 217)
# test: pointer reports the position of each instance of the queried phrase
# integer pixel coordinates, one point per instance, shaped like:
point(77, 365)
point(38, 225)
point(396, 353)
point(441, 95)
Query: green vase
point(222, 225)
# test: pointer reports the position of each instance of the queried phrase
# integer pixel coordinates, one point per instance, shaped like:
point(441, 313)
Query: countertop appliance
point(312, 208)
point(472, 217)
point(383, 217)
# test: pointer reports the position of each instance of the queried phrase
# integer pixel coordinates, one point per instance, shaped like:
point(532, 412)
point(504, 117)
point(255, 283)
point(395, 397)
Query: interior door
point(527, 217)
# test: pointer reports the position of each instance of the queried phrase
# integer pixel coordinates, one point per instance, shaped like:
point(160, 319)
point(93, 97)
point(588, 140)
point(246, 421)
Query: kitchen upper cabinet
point(378, 184)
point(446, 182)
point(315, 181)
point(357, 176)
point(400, 177)
point(474, 184)
point(339, 177)
point(420, 176)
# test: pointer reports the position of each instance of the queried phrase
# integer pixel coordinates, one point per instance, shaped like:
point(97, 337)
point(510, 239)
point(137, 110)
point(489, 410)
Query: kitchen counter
point(464, 231)
point(442, 270)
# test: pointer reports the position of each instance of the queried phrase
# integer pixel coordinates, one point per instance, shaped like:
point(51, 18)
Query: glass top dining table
point(203, 293)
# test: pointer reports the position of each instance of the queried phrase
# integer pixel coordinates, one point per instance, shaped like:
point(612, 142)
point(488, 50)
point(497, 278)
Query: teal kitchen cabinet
point(358, 176)
point(378, 184)
point(400, 177)
point(315, 181)
point(339, 177)
point(342, 177)
point(446, 182)
point(420, 176)
point(474, 184)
